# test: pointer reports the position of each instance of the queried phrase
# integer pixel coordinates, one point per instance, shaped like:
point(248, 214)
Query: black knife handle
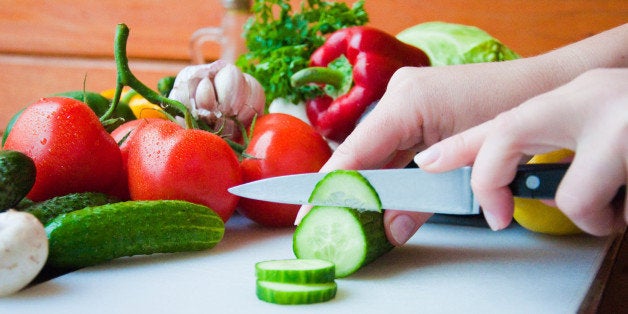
point(538, 181)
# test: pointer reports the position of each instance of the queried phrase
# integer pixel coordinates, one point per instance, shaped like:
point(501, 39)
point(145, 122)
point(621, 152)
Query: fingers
point(495, 167)
point(301, 213)
point(455, 151)
point(587, 115)
point(587, 192)
point(375, 141)
point(488, 180)
point(401, 225)
point(382, 139)
point(370, 146)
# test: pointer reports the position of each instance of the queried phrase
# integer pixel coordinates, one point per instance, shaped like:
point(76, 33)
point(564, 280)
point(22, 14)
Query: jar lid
point(237, 4)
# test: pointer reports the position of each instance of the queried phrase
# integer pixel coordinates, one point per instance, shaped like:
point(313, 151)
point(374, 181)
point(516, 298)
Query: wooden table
point(53, 46)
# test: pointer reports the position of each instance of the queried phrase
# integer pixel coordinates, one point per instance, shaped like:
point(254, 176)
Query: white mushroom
point(23, 250)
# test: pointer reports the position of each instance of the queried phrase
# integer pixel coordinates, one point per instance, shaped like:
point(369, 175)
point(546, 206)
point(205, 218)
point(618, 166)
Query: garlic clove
point(231, 90)
point(187, 80)
point(205, 98)
point(254, 104)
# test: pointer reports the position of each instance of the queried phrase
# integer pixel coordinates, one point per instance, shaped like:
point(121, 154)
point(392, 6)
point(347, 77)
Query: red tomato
point(71, 149)
point(166, 161)
point(280, 145)
point(123, 135)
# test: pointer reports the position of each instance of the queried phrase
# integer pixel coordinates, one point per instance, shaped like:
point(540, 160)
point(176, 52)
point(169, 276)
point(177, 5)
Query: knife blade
point(411, 189)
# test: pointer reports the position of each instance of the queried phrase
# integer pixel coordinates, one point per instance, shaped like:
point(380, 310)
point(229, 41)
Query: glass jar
point(229, 35)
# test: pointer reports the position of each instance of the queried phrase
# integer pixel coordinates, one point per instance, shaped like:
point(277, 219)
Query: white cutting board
point(442, 269)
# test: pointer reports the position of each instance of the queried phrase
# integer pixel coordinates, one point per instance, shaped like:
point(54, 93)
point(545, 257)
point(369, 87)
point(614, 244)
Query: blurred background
point(53, 46)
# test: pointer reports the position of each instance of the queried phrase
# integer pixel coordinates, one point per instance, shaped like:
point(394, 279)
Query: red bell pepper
point(374, 56)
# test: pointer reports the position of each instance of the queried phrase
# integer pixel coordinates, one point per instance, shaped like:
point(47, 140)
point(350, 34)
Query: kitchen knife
point(411, 189)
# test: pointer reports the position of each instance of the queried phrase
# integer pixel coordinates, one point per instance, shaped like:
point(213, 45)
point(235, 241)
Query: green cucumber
point(17, 177)
point(93, 235)
point(25, 202)
point(348, 188)
point(297, 271)
point(51, 208)
point(288, 293)
point(345, 236)
point(348, 237)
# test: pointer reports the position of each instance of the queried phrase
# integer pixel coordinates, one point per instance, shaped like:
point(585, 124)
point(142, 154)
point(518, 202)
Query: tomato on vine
point(167, 161)
point(71, 149)
point(123, 135)
point(280, 144)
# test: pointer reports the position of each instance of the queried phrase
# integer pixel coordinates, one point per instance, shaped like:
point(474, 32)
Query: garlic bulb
point(219, 93)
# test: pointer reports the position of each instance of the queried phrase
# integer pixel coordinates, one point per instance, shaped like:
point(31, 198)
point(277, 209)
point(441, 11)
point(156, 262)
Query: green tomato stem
point(128, 96)
point(114, 102)
point(236, 147)
point(126, 78)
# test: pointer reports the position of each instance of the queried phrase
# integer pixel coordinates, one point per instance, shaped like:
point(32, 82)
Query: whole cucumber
point(17, 177)
point(51, 208)
point(93, 235)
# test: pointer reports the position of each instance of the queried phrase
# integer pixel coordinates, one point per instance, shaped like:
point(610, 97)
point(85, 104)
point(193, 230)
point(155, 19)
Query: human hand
point(421, 107)
point(589, 115)
point(425, 105)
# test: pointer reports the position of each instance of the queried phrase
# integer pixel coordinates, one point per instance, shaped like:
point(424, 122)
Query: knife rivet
point(533, 182)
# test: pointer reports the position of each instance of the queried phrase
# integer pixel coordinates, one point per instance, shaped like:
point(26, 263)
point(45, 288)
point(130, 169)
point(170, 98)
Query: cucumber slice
point(350, 237)
point(300, 271)
point(345, 236)
point(347, 188)
point(289, 293)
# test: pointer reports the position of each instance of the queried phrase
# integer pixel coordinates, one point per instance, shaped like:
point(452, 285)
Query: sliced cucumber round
point(347, 188)
point(289, 293)
point(300, 271)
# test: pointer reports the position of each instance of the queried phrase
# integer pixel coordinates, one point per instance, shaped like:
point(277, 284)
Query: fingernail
point(427, 156)
point(402, 228)
point(298, 219)
point(492, 221)
point(301, 213)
